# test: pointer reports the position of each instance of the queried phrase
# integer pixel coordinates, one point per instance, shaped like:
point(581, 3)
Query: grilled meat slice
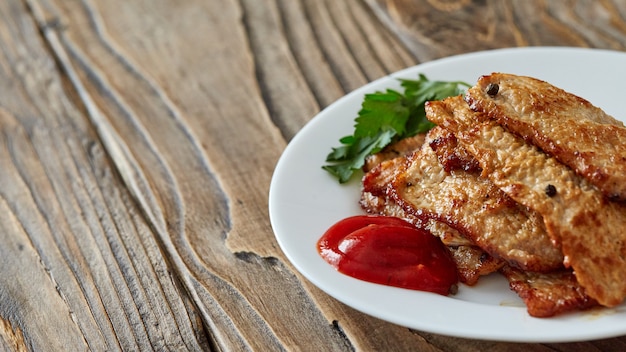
point(471, 261)
point(586, 225)
point(476, 208)
point(561, 124)
point(451, 155)
point(400, 148)
point(548, 294)
point(375, 199)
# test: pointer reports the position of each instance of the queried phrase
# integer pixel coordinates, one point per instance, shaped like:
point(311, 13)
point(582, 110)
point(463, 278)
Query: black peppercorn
point(550, 190)
point(492, 89)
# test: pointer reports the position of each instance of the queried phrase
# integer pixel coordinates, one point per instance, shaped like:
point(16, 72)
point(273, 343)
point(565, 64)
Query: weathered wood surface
point(138, 139)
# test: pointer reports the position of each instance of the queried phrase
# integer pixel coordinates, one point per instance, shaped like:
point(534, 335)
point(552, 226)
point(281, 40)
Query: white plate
point(305, 200)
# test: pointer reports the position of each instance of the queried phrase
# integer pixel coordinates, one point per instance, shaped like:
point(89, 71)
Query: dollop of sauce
point(389, 251)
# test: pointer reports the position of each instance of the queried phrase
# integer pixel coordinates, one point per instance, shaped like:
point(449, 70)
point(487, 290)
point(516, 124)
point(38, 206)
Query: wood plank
point(140, 142)
point(189, 211)
point(61, 187)
point(437, 28)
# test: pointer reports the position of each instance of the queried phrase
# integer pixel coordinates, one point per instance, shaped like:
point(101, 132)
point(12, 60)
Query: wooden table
point(138, 140)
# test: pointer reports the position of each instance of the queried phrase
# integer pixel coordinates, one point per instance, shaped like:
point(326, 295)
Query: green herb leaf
point(384, 118)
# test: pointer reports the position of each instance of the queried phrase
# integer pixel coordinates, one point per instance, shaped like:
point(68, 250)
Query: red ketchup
point(389, 251)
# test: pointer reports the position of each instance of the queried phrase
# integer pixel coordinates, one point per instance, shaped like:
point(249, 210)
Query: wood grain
point(138, 144)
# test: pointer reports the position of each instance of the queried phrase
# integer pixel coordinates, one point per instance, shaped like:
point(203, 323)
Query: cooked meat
point(548, 294)
point(379, 178)
point(588, 227)
point(476, 208)
point(471, 262)
point(451, 155)
point(402, 147)
point(563, 125)
point(448, 235)
point(375, 200)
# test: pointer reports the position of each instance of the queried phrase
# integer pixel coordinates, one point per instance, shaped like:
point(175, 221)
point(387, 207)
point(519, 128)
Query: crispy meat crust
point(473, 206)
point(548, 294)
point(451, 155)
point(587, 226)
point(471, 262)
point(375, 199)
point(563, 125)
point(400, 148)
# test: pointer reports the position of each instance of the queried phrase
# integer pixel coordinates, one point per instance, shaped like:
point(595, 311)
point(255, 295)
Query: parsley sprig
point(386, 117)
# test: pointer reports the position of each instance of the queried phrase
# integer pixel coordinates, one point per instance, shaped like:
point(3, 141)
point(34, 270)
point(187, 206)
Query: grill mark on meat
point(587, 226)
point(562, 124)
